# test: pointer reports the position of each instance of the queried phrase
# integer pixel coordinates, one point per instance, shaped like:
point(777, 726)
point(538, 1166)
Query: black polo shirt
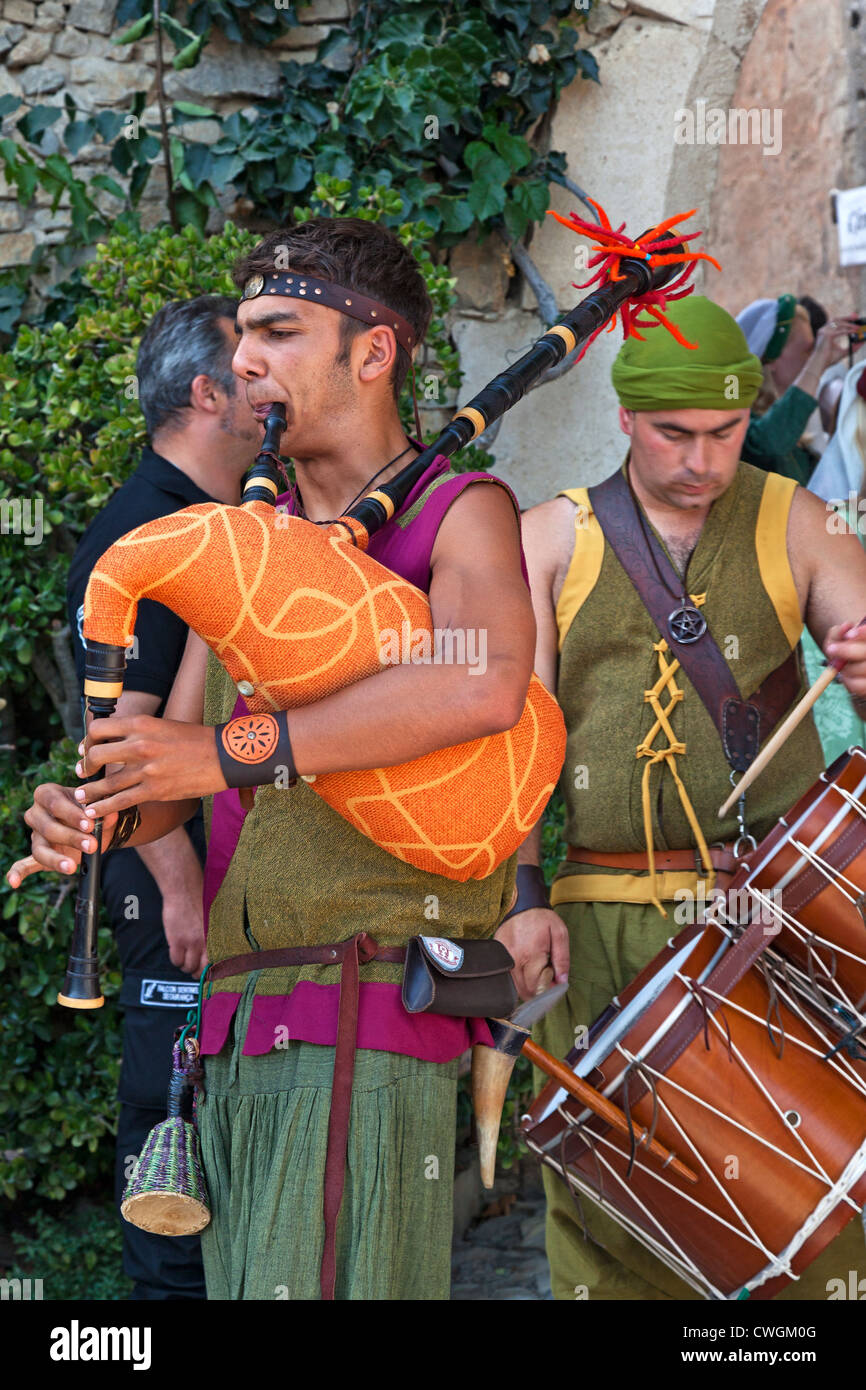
point(155, 489)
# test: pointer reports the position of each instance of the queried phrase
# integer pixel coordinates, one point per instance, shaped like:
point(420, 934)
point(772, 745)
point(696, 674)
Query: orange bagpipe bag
point(299, 613)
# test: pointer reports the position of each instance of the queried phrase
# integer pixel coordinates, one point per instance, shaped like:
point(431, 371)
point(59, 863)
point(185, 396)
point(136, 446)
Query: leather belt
point(722, 859)
point(351, 954)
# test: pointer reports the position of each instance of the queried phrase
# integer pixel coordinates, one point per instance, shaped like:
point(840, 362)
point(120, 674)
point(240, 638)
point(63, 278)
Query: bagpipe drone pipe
point(294, 612)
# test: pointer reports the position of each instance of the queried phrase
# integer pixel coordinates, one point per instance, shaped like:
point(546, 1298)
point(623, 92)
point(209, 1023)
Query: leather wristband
point(531, 890)
point(127, 823)
point(255, 749)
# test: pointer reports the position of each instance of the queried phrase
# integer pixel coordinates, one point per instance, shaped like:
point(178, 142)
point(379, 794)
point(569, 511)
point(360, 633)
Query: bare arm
point(476, 589)
point(167, 858)
point(547, 533)
point(829, 567)
point(185, 705)
point(175, 867)
point(537, 938)
point(60, 822)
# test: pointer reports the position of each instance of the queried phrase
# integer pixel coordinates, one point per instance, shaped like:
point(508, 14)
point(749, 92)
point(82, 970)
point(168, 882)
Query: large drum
point(806, 881)
point(711, 1047)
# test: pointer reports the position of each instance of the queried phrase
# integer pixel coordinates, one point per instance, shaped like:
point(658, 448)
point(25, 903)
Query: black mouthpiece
point(274, 426)
point(262, 482)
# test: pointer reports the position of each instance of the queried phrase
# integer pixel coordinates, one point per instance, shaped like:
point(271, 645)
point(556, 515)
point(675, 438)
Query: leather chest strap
point(742, 724)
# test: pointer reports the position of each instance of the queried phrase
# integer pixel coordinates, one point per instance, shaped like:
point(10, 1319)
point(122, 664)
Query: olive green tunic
point(264, 1137)
point(611, 657)
point(308, 877)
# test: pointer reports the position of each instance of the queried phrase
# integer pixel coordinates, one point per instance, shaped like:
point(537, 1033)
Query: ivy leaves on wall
point(448, 104)
point(443, 103)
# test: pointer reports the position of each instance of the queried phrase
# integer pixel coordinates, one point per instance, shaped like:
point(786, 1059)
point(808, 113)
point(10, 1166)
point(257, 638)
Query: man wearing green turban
point(645, 769)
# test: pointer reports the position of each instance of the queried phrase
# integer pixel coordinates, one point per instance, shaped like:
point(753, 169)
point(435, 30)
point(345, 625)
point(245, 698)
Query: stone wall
point(51, 48)
point(766, 216)
point(771, 218)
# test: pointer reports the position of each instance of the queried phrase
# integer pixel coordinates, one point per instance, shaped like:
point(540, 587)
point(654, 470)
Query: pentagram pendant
point(686, 624)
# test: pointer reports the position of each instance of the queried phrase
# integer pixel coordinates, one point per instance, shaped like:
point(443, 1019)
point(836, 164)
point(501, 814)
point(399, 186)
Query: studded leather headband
point(357, 306)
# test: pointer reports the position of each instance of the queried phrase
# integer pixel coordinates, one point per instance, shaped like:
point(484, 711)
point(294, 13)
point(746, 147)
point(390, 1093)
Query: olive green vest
point(611, 658)
point(307, 877)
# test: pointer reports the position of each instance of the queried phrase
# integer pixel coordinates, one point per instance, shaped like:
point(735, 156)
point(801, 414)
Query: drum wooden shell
point(811, 873)
point(776, 1142)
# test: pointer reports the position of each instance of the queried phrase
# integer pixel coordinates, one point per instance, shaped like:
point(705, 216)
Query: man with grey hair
point(203, 438)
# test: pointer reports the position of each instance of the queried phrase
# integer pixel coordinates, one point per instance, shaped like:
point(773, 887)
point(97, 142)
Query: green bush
point(70, 426)
point(76, 1255)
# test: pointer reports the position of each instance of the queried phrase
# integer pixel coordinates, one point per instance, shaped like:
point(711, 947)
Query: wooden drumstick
point(601, 1106)
point(785, 729)
point(592, 1098)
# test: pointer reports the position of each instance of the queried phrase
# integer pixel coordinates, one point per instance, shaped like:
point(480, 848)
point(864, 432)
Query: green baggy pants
point(610, 943)
point(264, 1130)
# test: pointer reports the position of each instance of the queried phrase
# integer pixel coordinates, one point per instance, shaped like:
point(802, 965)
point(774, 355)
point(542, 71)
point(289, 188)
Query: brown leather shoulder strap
point(742, 724)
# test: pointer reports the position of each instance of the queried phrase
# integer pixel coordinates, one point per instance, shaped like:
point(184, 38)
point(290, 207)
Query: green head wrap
point(661, 374)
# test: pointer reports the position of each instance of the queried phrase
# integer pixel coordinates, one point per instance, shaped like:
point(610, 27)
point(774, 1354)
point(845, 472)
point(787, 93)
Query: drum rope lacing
point(847, 1073)
point(786, 983)
point(575, 1195)
point(816, 1171)
point(625, 1080)
point(809, 940)
point(785, 968)
point(752, 1236)
point(748, 1234)
point(832, 875)
point(852, 800)
point(778, 1263)
point(795, 926)
point(661, 1250)
point(699, 993)
point(687, 1269)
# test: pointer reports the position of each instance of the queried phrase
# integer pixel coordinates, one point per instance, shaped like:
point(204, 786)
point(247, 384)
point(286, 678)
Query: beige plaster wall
point(771, 217)
point(766, 217)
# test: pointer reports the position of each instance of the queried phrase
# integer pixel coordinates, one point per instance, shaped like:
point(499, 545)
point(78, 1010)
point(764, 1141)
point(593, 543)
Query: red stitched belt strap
point(351, 954)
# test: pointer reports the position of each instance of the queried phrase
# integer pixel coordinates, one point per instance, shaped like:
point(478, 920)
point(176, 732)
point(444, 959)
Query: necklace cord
point(299, 504)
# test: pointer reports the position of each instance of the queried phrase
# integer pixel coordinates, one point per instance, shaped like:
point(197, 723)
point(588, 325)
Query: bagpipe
point(294, 611)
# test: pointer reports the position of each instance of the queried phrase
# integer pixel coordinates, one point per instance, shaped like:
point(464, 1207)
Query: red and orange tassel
point(612, 245)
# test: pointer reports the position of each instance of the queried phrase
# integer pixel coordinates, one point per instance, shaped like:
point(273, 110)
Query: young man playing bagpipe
point(287, 871)
point(645, 769)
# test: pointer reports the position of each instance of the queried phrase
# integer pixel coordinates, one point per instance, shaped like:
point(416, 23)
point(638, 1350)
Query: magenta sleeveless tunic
point(310, 1011)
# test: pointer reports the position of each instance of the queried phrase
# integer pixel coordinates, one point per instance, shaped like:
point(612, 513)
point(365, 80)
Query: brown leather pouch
point(469, 979)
